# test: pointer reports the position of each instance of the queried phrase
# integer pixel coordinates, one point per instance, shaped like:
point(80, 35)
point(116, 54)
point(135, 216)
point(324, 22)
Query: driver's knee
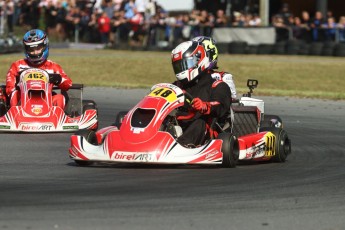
point(194, 135)
point(14, 98)
point(59, 100)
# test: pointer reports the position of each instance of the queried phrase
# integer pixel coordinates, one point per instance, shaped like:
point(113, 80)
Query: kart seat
point(37, 95)
point(245, 120)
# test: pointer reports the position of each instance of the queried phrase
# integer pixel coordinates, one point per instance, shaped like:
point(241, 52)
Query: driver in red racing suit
point(36, 53)
point(212, 98)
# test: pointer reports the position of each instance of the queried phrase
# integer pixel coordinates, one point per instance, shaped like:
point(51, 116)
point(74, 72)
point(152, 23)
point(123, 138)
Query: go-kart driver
point(36, 50)
point(212, 98)
point(212, 51)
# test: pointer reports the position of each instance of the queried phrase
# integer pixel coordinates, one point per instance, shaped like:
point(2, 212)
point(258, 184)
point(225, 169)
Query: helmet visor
point(35, 50)
point(184, 64)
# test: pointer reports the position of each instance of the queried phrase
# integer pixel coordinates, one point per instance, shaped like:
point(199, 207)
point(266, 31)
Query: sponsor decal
point(35, 127)
point(211, 154)
point(137, 130)
point(70, 127)
point(258, 150)
point(5, 127)
point(36, 109)
point(72, 120)
point(249, 155)
point(139, 156)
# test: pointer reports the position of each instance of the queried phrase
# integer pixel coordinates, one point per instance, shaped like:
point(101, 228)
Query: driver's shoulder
point(50, 62)
point(220, 87)
point(20, 62)
point(218, 83)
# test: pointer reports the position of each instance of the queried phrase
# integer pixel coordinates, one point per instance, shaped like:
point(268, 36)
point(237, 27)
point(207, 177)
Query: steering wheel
point(188, 99)
point(186, 108)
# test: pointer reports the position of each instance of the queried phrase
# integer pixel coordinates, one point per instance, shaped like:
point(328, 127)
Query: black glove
point(55, 78)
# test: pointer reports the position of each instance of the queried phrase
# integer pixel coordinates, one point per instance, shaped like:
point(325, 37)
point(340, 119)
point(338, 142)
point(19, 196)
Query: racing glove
point(201, 106)
point(55, 78)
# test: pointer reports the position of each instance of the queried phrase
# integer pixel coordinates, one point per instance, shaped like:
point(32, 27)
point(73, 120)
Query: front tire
point(90, 136)
point(230, 150)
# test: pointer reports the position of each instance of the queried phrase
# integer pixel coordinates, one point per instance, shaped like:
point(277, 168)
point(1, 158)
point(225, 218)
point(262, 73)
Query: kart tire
point(90, 137)
point(119, 118)
point(3, 108)
point(89, 104)
point(272, 121)
point(230, 150)
point(282, 143)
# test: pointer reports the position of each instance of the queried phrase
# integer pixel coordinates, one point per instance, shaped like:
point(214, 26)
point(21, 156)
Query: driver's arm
point(66, 82)
point(220, 99)
point(11, 79)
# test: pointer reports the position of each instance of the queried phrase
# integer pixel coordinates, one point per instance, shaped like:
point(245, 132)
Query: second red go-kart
point(148, 132)
point(36, 113)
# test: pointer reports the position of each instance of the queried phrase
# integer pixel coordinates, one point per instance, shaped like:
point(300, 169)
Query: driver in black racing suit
point(212, 98)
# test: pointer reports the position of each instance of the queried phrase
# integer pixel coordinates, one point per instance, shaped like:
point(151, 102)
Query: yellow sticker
point(36, 110)
point(35, 76)
point(165, 93)
point(270, 144)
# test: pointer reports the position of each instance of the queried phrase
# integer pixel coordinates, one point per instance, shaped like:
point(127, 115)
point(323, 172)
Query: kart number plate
point(35, 74)
point(165, 93)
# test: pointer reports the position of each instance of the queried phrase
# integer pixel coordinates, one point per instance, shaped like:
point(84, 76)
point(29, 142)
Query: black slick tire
point(230, 150)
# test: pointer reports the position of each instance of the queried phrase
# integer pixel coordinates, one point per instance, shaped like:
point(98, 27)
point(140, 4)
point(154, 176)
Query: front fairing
point(35, 92)
point(163, 149)
point(140, 138)
point(143, 122)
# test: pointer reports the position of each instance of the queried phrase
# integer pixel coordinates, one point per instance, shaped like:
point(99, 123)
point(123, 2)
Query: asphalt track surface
point(41, 188)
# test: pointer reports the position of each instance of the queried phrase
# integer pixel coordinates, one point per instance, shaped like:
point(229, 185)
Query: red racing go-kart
point(148, 132)
point(36, 113)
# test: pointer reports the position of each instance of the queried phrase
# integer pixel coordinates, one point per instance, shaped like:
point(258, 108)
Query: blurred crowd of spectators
point(145, 23)
point(310, 28)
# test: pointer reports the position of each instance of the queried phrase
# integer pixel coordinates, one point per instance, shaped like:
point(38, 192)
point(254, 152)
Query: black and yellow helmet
point(211, 49)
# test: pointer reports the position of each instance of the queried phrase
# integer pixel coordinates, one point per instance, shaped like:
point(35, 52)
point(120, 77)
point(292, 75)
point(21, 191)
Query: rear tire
point(119, 118)
point(90, 136)
point(89, 104)
point(282, 143)
point(230, 150)
point(272, 121)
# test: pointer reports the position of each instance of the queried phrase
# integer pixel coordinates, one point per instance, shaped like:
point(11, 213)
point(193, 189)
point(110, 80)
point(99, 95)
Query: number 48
point(162, 92)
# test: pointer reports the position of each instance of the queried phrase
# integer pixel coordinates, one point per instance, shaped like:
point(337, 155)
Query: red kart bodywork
point(141, 139)
point(36, 112)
